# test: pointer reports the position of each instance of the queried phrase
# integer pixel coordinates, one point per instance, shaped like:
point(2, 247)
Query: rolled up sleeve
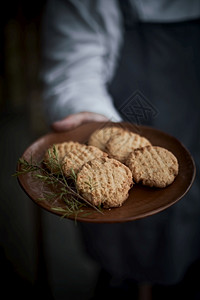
point(80, 49)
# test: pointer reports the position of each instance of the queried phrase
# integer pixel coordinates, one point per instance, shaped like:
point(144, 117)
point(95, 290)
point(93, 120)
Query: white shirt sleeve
point(81, 42)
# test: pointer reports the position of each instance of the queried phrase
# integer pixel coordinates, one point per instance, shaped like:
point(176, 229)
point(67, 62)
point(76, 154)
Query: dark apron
point(160, 70)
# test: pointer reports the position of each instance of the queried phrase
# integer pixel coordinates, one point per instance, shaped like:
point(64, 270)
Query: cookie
point(76, 158)
point(61, 150)
point(153, 166)
point(122, 144)
point(100, 137)
point(104, 181)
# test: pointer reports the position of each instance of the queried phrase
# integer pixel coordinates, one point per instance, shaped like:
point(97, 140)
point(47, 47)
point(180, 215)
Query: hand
point(72, 121)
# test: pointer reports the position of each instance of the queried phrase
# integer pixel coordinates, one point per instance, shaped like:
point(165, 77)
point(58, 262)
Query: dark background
point(40, 254)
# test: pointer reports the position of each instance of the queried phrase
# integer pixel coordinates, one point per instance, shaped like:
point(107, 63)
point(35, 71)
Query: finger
point(75, 120)
point(90, 117)
point(65, 124)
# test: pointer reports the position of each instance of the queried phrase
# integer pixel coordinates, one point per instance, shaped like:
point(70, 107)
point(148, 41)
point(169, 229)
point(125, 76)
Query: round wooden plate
point(142, 201)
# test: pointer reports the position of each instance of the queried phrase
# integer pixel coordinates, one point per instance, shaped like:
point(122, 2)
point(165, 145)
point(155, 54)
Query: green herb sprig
point(58, 186)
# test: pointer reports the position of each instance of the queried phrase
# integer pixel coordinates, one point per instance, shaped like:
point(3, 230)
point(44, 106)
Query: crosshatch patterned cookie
point(153, 166)
point(100, 137)
point(61, 149)
point(104, 181)
point(76, 158)
point(122, 144)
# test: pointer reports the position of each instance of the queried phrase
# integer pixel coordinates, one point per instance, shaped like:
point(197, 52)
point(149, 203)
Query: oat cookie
point(153, 166)
point(104, 181)
point(76, 158)
point(100, 137)
point(122, 144)
point(61, 150)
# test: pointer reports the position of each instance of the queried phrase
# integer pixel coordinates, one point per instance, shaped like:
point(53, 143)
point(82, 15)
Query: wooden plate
point(142, 201)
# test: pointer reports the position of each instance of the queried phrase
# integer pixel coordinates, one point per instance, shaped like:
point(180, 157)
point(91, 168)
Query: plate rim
point(142, 215)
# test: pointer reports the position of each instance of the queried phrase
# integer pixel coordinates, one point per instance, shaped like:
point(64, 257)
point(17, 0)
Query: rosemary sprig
point(92, 185)
point(60, 187)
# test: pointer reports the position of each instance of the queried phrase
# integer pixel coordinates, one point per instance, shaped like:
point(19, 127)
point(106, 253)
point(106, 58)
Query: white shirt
point(81, 47)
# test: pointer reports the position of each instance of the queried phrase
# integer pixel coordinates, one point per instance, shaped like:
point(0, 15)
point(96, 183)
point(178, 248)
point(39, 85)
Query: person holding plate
point(136, 61)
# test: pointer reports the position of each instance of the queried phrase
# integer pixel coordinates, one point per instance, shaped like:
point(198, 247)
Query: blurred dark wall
point(20, 123)
point(20, 24)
